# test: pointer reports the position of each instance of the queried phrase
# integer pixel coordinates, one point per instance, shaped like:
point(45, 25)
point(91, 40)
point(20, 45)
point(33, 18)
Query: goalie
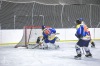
point(49, 37)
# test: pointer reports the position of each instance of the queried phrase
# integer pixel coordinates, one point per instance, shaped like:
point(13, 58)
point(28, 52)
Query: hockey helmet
point(81, 19)
point(43, 27)
point(78, 22)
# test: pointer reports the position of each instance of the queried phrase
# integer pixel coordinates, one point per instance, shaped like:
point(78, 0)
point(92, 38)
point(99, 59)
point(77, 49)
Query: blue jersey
point(46, 37)
point(80, 31)
point(52, 31)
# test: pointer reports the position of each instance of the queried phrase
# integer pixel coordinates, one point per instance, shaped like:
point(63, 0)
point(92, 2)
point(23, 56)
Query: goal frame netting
point(28, 33)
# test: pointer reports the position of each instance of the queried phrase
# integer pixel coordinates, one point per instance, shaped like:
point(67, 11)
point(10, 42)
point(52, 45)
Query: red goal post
point(30, 35)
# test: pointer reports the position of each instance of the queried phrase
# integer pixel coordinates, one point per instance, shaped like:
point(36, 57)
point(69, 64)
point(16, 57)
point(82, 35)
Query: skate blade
point(79, 58)
point(89, 57)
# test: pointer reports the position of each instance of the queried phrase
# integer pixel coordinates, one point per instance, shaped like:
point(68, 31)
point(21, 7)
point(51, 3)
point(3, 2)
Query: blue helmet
point(81, 19)
point(43, 27)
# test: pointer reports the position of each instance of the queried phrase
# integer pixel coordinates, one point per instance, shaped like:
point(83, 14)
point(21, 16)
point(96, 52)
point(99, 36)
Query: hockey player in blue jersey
point(87, 29)
point(49, 36)
point(83, 40)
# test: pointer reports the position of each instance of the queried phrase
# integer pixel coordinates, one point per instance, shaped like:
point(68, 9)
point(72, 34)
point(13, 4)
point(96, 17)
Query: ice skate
point(78, 57)
point(92, 46)
point(88, 55)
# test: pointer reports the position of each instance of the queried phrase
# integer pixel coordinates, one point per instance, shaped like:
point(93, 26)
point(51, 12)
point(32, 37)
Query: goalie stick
point(38, 42)
point(35, 46)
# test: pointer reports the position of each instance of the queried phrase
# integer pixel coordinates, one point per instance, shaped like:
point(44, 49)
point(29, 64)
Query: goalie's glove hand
point(43, 38)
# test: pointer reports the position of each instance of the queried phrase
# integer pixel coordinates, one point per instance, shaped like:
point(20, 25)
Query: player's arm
point(79, 32)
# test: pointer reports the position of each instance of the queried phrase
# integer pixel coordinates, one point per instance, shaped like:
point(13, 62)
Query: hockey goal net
point(30, 35)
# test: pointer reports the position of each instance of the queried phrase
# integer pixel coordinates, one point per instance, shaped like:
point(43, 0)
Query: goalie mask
point(47, 31)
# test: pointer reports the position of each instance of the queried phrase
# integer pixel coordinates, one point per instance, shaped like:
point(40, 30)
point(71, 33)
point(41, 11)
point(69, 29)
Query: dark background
point(16, 14)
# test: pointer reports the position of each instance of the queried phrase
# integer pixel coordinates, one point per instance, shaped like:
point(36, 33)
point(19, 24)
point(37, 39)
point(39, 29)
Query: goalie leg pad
point(53, 46)
point(45, 46)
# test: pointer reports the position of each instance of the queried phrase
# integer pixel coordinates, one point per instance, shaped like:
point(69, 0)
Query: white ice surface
point(64, 56)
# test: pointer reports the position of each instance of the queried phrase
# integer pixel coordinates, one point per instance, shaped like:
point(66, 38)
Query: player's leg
point(88, 53)
point(53, 42)
point(87, 50)
point(45, 43)
point(78, 50)
point(54, 45)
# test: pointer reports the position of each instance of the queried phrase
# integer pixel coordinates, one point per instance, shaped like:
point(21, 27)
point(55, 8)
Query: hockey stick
point(35, 46)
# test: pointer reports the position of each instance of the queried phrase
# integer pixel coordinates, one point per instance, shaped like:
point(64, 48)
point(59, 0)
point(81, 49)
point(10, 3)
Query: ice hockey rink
point(64, 56)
